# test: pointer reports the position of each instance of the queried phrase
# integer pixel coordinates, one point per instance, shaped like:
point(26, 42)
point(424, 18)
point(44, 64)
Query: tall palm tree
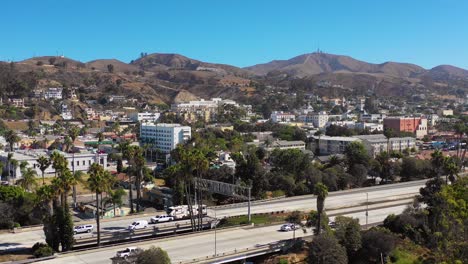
point(140, 161)
point(44, 163)
point(11, 137)
point(45, 195)
point(77, 177)
point(97, 183)
point(321, 191)
point(29, 179)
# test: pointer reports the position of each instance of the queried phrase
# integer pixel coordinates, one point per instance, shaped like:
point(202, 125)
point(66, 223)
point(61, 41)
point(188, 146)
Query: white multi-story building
point(320, 119)
point(77, 161)
point(53, 93)
point(144, 117)
point(164, 137)
point(280, 116)
point(334, 145)
point(378, 143)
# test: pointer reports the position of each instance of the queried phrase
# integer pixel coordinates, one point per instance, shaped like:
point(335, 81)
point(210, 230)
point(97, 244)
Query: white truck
point(183, 212)
point(130, 251)
point(161, 219)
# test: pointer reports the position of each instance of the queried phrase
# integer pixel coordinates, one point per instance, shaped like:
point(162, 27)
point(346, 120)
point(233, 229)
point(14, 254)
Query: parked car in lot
point(140, 224)
point(83, 229)
point(288, 227)
point(130, 251)
point(161, 218)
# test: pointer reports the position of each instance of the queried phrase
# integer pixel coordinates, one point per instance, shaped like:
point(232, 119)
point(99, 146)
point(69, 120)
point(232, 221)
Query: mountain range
point(165, 78)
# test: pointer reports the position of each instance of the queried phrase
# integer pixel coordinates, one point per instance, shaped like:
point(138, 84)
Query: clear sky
point(238, 32)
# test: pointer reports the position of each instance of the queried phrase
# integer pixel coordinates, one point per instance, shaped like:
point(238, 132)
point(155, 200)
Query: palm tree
point(450, 169)
point(77, 177)
point(321, 191)
point(67, 144)
point(140, 161)
point(46, 194)
point(437, 162)
point(44, 163)
point(115, 198)
point(74, 132)
point(97, 183)
point(11, 137)
point(28, 181)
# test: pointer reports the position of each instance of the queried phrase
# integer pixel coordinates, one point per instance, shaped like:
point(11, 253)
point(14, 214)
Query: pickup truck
point(130, 251)
point(161, 218)
point(83, 229)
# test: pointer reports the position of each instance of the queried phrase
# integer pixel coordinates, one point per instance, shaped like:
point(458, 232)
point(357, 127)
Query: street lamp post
point(367, 208)
point(216, 219)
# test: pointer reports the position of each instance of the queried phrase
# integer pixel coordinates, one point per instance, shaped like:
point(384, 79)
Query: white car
point(128, 252)
point(83, 229)
point(288, 227)
point(140, 224)
point(161, 218)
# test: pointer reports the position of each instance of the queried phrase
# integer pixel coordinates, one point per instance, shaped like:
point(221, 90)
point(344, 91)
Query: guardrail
point(151, 231)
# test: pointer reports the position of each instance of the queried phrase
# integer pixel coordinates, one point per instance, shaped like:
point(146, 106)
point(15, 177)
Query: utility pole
point(250, 217)
point(367, 209)
point(216, 220)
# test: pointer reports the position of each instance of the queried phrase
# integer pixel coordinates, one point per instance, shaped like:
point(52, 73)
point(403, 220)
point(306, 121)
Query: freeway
point(336, 200)
point(201, 245)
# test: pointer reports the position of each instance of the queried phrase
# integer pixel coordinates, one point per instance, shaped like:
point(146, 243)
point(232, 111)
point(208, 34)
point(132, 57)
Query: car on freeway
point(83, 229)
point(130, 251)
point(140, 224)
point(161, 219)
point(288, 227)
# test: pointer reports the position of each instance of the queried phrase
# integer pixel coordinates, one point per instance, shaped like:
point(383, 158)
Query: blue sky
point(241, 33)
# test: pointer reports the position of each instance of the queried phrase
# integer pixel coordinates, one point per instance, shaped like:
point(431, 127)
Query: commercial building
point(164, 137)
point(77, 161)
point(415, 125)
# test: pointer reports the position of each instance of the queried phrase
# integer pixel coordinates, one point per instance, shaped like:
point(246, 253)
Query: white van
point(140, 224)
